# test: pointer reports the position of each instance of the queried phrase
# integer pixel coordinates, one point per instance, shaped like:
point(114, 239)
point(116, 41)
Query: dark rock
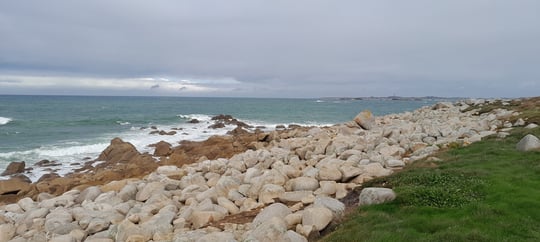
point(153, 127)
point(280, 127)
point(217, 126)
point(294, 126)
point(238, 131)
point(194, 121)
point(154, 132)
point(14, 168)
point(162, 132)
point(222, 117)
point(46, 163)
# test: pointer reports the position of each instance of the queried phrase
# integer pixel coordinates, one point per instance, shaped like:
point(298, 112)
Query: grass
point(487, 191)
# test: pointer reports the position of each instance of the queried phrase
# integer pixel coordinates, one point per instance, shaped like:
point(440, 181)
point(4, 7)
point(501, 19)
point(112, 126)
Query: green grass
point(487, 191)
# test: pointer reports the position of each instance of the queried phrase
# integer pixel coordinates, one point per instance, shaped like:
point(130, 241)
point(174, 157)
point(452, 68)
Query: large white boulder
point(376, 195)
point(528, 143)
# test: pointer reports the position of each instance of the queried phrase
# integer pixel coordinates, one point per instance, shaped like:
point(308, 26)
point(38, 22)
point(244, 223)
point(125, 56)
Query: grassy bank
point(487, 191)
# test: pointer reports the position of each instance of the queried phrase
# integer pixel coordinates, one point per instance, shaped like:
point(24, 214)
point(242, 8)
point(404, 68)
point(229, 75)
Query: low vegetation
point(487, 191)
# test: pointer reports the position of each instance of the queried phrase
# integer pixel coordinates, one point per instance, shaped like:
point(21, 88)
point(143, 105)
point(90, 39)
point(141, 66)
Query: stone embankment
point(286, 187)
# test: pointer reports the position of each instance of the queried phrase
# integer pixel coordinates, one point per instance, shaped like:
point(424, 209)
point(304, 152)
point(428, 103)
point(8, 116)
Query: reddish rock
point(14, 168)
point(162, 149)
point(13, 186)
point(118, 151)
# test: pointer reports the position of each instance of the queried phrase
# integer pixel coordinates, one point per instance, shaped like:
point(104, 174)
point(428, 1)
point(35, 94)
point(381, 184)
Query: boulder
point(531, 126)
point(217, 237)
point(302, 184)
point(329, 173)
point(365, 119)
point(334, 205)
point(89, 194)
point(118, 151)
point(13, 186)
point(149, 190)
point(7, 231)
point(528, 143)
point(319, 217)
point(162, 149)
point(14, 168)
point(376, 195)
point(295, 196)
point(275, 210)
point(271, 230)
point(393, 163)
point(269, 192)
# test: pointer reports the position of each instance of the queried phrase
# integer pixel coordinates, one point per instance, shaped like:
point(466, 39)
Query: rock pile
point(295, 177)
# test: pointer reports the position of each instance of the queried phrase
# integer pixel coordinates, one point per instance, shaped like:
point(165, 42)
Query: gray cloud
point(283, 48)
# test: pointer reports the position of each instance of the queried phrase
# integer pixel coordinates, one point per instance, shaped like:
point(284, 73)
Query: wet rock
point(14, 168)
point(194, 121)
point(46, 163)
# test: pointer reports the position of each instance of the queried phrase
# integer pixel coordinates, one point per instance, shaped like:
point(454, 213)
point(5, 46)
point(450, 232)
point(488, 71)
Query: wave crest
point(4, 121)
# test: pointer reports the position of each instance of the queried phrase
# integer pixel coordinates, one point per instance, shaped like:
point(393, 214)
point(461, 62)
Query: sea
point(74, 129)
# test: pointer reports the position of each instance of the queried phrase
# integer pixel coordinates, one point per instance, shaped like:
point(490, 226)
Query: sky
point(278, 48)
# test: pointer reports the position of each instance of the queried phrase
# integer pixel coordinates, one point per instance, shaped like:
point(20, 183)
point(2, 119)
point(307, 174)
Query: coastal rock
point(7, 231)
point(162, 149)
point(531, 126)
point(302, 184)
point(269, 192)
point(14, 168)
point(217, 237)
point(528, 143)
point(88, 194)
point(148, 190)
point(365, 119)
point(13, 186)
point(334, 205)
point(278, 210)
point(376, 195)
point(269, 231)
point(319, 217)
point(393, 163)
point(118, 151)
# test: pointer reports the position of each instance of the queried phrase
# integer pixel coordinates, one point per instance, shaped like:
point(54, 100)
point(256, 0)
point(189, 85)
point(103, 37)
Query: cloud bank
point(271, 48)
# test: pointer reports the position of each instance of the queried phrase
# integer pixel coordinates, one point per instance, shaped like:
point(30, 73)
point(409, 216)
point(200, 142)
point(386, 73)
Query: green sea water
point(70, 128)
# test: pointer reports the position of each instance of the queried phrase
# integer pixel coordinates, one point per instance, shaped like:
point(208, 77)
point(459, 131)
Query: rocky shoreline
point(284, 185)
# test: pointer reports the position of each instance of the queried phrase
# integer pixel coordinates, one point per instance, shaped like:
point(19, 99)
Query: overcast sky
point(252, 48)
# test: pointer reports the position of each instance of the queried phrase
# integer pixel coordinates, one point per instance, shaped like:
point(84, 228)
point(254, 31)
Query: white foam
point(123, 123)
point(69, 152)
point(4, 121)
point(200, 117)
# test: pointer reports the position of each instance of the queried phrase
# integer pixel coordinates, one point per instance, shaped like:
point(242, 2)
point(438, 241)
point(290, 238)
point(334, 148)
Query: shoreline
point(300, 173)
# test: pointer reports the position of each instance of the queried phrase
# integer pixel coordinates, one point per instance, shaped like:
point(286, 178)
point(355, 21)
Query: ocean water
point(69, 129)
